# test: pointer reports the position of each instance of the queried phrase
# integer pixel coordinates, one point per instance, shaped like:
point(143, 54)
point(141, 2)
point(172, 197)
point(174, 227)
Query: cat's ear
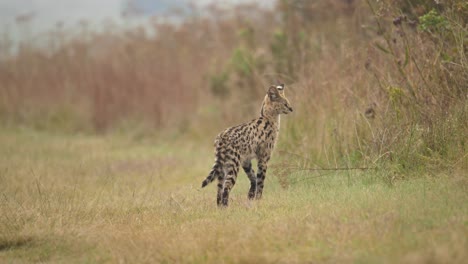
point(273, 92)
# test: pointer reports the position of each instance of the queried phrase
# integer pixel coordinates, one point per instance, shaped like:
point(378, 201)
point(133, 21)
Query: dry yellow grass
point(105, 139)
point(82, 198)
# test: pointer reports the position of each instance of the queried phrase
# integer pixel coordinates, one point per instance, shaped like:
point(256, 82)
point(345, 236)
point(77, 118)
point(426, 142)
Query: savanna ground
point(114, 199)
point(105, 138)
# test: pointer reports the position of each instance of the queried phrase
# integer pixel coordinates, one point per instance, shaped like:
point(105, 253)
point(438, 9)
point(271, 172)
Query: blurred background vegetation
point(373, 83)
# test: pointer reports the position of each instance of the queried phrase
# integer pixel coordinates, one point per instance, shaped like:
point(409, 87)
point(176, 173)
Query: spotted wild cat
point(238, 145)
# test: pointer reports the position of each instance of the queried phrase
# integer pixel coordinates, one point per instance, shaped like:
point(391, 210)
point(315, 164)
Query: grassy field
point(105, 137)
point(117, 198)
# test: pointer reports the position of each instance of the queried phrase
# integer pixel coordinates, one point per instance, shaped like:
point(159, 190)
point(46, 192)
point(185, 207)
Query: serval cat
point(240, 144)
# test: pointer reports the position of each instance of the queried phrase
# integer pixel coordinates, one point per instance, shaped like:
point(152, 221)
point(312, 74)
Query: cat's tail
point(215, 171)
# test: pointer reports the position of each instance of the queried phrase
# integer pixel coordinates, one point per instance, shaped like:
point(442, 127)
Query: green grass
point(112, 198)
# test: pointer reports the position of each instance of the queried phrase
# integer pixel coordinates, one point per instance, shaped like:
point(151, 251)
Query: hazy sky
point(46, 13)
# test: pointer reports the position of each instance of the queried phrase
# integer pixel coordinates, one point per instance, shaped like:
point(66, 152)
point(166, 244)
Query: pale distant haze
point(44, 15)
